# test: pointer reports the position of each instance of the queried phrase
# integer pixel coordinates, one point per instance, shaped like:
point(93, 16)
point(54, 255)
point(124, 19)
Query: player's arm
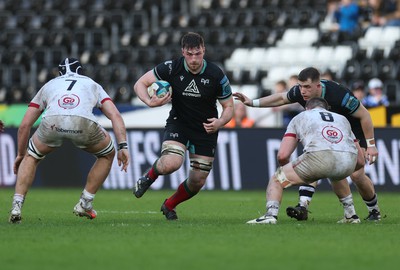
point(140, 89)
point(1, 126)
point(287, 147)
point(368, 129)
point(32, 114)
point(214, 124)
point(227, 111)
point(273, 100)
point(111, 112)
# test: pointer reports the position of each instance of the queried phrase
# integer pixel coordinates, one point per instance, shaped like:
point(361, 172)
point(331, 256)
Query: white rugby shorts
point(81, 131)
point(334, 165)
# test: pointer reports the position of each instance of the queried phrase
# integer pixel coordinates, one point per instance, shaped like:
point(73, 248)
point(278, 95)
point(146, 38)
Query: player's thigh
point(99, 145)
point(291, 175)
point(172, 155)
point(40, 146)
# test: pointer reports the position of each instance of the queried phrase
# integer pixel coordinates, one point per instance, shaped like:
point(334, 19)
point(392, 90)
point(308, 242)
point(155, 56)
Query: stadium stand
point(255, 41)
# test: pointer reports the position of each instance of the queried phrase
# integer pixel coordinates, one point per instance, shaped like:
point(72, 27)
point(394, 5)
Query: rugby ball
point(159, 88)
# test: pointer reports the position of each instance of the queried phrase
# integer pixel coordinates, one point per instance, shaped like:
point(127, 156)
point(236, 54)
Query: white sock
point(272, 208)
point(348, 206)
point(304, 201)
point(86, 199)
point(306, 193)
point(19, 198)
point(87, 195)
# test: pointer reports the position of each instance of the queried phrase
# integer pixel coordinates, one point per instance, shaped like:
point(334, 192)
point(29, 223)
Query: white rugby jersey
point(70, 94)
point(319, 129)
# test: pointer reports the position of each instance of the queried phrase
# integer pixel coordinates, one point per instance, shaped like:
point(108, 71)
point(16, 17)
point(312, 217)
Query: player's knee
point(200, 164)
point(33, 151)
point(172, 149)
point(106, 152)
point(282, 179)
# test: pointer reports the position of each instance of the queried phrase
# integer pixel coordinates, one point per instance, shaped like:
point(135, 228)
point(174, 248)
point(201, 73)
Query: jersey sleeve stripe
point(35, 105)
point(104, 100)
point(290, 135)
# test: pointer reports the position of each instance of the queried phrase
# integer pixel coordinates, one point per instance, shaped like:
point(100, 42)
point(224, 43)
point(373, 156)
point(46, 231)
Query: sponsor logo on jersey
point(174, 135)
point(69, 101)
point(70, 131)
point(192, 90)
point(332, 134)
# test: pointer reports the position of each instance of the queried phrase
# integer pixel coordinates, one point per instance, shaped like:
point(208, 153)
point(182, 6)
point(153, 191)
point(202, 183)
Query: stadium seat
point(119, 73)
point(12, 37)
point(237, 59)
point(17, 75)
point(368, 69)
point(392, 90)
point(60, 37)
point(371, 39)
point(303, 16)
point(27, 19)
point(306, 55)
point(323, 57)
point(98, 19)
point(341, 54)
point(119, 18)
point(19, 55)
point(75, 19)
point(52, 19)
point(5, 17)
point(390, 34)
point(289, 38)
point(271, 17)
point(98, 39)
point(56, 54)
point(351, 70)
point(138, 20)
point(387, 69)
point(271, 58)
point(254, 58)
point(261, 36)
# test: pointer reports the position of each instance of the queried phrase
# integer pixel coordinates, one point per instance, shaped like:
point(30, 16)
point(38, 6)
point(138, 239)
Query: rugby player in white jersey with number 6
point(329, 152)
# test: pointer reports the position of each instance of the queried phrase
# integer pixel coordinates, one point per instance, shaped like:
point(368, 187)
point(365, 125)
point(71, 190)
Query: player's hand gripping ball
point(160, 88)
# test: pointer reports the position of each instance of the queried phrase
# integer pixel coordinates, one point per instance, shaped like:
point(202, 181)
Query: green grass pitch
point(211, 233)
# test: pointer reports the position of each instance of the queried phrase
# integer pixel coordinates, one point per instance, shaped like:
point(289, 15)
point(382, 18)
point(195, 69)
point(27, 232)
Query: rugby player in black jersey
point(193, 121)
point(342, 101)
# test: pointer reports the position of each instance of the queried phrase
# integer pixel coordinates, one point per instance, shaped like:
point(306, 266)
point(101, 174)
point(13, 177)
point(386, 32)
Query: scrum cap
point(69, 65)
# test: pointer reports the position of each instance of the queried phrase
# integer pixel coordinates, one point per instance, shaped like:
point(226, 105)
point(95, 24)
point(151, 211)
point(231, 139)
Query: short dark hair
point(309, 73)
point(317, 102)
point(192, 40)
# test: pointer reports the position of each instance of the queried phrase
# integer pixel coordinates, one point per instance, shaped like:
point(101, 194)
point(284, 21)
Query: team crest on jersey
point(69, 101)
point(192, 90)
point(332, 134)
point(205, 81)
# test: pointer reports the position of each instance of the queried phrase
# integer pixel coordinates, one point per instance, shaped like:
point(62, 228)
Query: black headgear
point(70, 65)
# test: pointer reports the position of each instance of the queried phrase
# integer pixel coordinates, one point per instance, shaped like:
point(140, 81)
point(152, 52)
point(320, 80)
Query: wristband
point(122, 145)
point(256, 103)
point(370, 142)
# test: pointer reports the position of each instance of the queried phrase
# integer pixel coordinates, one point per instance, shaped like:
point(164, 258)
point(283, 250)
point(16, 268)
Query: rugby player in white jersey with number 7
point(66, 104)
